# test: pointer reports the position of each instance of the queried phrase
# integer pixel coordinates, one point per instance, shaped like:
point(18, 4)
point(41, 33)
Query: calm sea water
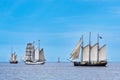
point(58, 71)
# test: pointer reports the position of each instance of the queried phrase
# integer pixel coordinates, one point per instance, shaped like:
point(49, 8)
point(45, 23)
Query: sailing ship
point(90, 55)
point(58, 60)
point(13, 58)
point(34, 56)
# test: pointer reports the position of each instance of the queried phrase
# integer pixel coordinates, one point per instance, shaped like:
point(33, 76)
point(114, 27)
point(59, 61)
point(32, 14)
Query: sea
point(58, 71)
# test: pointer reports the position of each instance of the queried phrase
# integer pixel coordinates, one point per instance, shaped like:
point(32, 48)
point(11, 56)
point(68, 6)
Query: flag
point(100, 37)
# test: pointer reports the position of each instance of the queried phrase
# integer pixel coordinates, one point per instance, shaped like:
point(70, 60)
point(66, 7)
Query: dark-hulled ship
point(89, 55)
point(13, 58)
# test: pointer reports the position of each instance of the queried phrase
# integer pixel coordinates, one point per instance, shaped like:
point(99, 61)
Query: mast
point(98, 48)
point(89, 47)
point(39, 45)
point(39, 48)
point(82, 50)
point(33, 51)
point(11, 57)
point(12, 50)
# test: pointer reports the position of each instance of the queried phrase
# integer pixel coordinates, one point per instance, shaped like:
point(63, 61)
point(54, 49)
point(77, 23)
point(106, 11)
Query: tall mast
point(90, 47)
point(39, 48)
point(82, 50)
point(98, 48)
point(39, 45)
point(33, 51)
point(11, 50)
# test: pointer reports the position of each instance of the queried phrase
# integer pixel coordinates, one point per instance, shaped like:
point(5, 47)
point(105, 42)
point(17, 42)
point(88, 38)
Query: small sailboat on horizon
point(13, 58)
point(90, 55)
point(58, 60)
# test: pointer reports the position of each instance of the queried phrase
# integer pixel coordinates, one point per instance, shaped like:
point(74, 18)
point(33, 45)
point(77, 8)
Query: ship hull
point(90, 64)
point(34, 63)
point(13, 62)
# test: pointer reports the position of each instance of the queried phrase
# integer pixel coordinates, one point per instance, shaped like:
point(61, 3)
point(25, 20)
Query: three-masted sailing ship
point(34, 56)
point(90, 55)
point(13, 58)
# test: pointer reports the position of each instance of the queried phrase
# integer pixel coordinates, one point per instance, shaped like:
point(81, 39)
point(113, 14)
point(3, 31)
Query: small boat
point(34, 56)
point(58, 60)
point(13, 58)
point(90, 55)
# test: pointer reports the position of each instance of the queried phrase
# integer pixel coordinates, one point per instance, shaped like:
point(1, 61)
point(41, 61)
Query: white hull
point(34, 63)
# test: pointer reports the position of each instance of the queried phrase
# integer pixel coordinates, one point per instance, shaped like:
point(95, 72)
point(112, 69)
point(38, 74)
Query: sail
point(102, 53)
point(37, 54)
point(30, 52)
point(41, 55)
point(76, 51)
point(13, 57)
point(94, 50)
point(86, 53)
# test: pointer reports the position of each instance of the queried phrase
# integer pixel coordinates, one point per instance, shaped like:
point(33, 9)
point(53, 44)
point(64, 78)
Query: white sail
point(26, 58)
point(30, 52)
point(76, 51)
point(13, 57)
point(34, 56)
point(86, 53)
point(41, 55)
point(37, 54)
point(102, 53)
point(94, 50)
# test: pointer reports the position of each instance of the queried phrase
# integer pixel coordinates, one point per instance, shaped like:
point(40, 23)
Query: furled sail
point(86, 53)
point(76, 51)
point(102, 53)
point(94, 50)
point(41, 55)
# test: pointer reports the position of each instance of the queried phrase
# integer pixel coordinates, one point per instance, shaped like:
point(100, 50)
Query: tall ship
point(13, 58)
point(89, 55)
point(34, 56)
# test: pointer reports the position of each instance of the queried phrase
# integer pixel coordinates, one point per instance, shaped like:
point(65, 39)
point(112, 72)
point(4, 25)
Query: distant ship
point(34, 56)
point(58, 60)
point(13, 58)
point(90, 55)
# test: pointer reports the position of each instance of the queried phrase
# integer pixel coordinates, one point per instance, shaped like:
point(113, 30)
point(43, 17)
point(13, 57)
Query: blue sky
point(58, 24)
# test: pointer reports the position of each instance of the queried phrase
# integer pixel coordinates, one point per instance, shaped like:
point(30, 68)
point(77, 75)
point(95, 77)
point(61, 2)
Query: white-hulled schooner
point(13, 58)
point(34, 56)
point(90, 55)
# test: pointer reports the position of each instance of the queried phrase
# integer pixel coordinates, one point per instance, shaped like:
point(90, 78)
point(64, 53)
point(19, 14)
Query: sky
point(58, 24)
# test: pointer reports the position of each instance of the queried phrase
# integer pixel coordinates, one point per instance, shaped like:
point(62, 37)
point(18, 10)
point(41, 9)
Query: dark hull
point(88, 64)
point(14, 62)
